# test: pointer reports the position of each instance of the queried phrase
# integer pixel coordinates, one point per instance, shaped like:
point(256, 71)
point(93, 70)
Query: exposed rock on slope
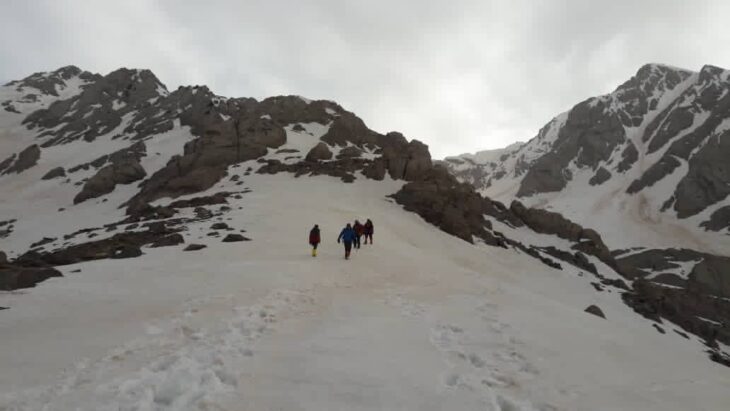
point(657, 144)
point(25, 160)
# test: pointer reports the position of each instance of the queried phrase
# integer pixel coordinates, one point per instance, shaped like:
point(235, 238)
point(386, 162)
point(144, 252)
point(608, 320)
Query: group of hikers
point(351, 236)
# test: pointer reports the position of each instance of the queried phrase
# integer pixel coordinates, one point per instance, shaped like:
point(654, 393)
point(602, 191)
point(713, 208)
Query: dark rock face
point(25, 160)
point(121, 245)
point(628, 158)
point(589, 136)
point(231, 238)
point(43, 241)
point(349, 152)
point(402, 159)
point(698, 303)
point(217, 198)
point(349, 128)
point(451, 206)
point(656, 172)
point(104, 181)
point(54, 173)
point(708, 275)
point(195, 247)
point(342, 169)
point(682, 306)
point(168, 240)
point(319, 152)
point(133, 153)
point(13, 277)
point(719, 220)
point(547, 222)
point(708, 178)
point(595, 310)
point(16, 275)
point(577, 259)
point(7, 163)
point(602, 175)
point(245, 134)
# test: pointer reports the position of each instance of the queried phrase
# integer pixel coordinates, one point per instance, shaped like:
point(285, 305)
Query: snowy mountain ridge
point(165, 235)
point(649, 154)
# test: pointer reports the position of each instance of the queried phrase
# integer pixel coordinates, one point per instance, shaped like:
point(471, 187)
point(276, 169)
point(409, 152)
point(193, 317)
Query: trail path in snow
point(419, 320)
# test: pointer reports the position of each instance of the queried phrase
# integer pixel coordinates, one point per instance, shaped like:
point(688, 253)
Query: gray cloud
point(459, 75)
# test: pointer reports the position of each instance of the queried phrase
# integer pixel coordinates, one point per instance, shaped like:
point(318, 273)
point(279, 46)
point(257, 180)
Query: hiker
point(359, 230)
point(368, 231)
point(314, 239)
point(347, 235)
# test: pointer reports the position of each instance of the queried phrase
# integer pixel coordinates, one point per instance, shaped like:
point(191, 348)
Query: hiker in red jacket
point(368, 231)
point(359, 230)
point(314, 239)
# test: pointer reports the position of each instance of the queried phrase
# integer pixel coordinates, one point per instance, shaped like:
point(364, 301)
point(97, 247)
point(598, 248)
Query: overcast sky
point(459, 75)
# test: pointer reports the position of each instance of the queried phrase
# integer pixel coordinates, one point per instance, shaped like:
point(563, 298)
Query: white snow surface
point(419, 320)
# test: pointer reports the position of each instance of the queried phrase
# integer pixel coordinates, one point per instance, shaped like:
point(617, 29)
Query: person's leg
point(348, 247)
point(314, 250)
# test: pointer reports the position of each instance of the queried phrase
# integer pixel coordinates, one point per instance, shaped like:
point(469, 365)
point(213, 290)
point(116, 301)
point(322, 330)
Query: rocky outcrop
point(7, 163)
point(349, 152)
point(706, 272)
point(343, 169)
point(719, 220)
point(595, 310)
point(602, 175)
point(402, 159)
point(348, 128)
point(54, 173)
point(232, 238)
point(453, 207)
point(14, 276)
point(694, 311)
point(708, 179)
point(168, 240)
point(121, 245)
point(319, 152)
point(548, 222)
point(25, 160)
point(628, 157)
point(104, 181)
point(656, 172)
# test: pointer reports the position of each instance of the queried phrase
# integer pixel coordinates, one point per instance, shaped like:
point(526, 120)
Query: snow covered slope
point(419, 320)
point(645, 165)
point(179, 222)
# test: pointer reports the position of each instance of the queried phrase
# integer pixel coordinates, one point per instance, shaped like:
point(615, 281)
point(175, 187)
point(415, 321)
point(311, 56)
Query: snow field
point(419, 320)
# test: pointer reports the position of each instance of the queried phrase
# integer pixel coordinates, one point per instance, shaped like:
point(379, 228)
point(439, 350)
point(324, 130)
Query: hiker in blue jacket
point(348, 236)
